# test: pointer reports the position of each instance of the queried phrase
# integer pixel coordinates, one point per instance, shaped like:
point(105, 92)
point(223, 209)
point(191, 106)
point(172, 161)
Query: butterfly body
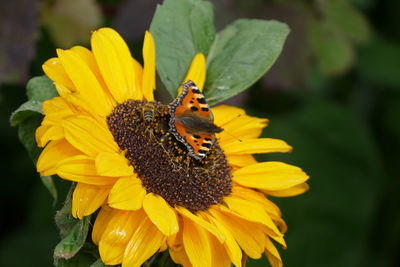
point(192, 121)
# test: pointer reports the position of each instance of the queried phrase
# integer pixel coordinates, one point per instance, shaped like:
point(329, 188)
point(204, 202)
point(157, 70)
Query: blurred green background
point(333, 94)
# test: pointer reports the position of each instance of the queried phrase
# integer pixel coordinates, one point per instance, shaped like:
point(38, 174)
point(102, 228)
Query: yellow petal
point(270, 176)
point(56, 118)
point(127, 194)
point(260, 215)
point(236, 124)
point(249, 235)
point(52, 154)
point(174, 242)
point(176, 249)
point(272, 254)
point(206, 225)
point(144, 243)
point(55, 110)
point(164, 245)
point(272, 210)
point(88, 57)
point(252, 146)
point(86, 199)
point(87, 86)
point(113, 242)
point(197, 243)
point(115, 63)
point(289, 192)
point(240, 160)
point(82, 168)
point(224, 114)
point(113, 164)
point(100, 225)
point(66, 93)
point(238, 127)
point(89, 136)
point(46, 133)
point(230, 244)
point(255, 196)
point(40, 135)
point(219, 256)
point(149, 70)
point(161, 214)
point(56, 105)
point(180, 257)
point(56, 72)
point(197, 72)
point(252, 211)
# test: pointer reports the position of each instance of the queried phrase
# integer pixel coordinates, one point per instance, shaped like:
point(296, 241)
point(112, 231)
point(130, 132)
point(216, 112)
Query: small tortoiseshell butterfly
point(192, 121)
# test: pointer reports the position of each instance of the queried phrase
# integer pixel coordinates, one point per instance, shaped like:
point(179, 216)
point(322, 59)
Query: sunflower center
point(162, 163)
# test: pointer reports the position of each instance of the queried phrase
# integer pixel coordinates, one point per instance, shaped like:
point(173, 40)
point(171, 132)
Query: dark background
point(334, 95)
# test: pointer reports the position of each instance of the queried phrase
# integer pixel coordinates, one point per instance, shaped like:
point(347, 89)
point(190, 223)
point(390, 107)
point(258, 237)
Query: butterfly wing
point(191, 101)
point(195, 101)
point(197, 145)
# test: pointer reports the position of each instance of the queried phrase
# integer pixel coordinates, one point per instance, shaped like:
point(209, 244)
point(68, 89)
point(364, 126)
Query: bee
point(148, 113)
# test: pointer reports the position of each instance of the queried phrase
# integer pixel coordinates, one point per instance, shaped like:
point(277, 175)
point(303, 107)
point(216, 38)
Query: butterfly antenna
point(227, 122)
point(237, 138)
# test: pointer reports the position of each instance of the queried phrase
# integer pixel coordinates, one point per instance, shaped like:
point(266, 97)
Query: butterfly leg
point(165, 137)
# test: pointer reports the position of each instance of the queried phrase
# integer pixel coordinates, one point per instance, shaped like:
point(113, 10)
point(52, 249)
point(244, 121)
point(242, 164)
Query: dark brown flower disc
point(162, 163)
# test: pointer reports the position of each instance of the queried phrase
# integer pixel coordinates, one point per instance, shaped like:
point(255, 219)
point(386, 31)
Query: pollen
point(162, 163)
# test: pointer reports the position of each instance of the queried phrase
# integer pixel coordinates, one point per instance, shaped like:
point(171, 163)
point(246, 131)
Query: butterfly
point(192, 121)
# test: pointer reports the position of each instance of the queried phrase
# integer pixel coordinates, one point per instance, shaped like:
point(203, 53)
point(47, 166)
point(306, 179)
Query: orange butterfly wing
point(198, 145)
point(191, 100)
point(196, 102)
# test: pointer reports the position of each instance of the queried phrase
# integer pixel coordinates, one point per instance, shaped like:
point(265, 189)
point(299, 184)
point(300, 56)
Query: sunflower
point(106, 132)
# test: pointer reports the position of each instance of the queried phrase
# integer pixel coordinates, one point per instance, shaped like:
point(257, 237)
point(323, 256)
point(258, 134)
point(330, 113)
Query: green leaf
point(40, 88)
point(181, 29)
point(83, 258)
point(99, 263)
point(26, 134)
point(240, 55)
point(73, 240)
point(73, 233)
point(333, 53)
point(64, 219)
point(27, 109)
point(28, 117)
